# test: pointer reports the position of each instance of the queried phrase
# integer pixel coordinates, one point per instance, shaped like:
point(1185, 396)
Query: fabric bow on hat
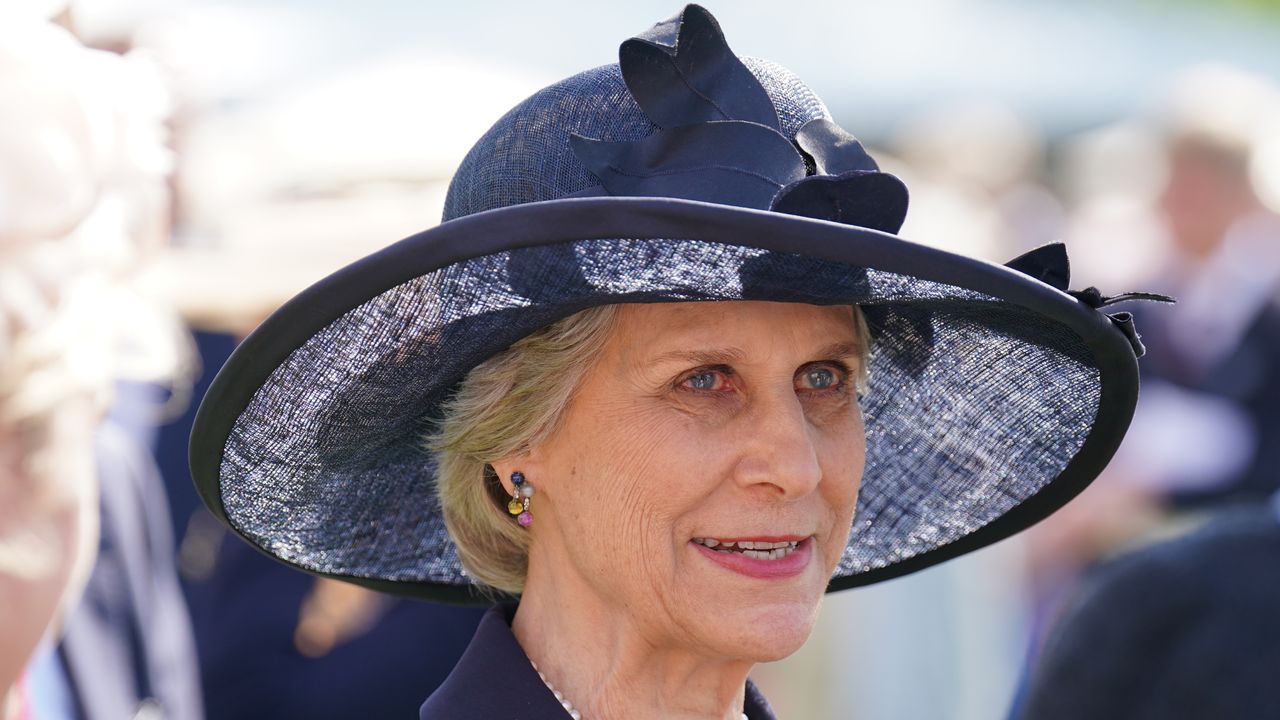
point(720, 139)
point(1049, 264)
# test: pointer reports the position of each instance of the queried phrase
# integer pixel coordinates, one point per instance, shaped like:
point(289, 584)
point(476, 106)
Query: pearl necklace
point(564, 701)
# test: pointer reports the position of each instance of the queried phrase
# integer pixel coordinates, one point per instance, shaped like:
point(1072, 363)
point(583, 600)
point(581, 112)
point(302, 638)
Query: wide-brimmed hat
point(683, 173)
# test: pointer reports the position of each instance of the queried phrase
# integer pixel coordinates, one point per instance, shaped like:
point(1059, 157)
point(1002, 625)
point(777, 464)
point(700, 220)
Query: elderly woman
point(665, 375)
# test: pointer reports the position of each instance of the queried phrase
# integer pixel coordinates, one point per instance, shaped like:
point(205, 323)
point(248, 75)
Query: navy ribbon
point(681, 71)
point(1094, 298)
point(1049, 264)
point(689, 162)
point(720, 139)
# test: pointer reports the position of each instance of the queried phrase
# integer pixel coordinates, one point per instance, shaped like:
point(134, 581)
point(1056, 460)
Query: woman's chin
point(765, 632)
point(779, 647)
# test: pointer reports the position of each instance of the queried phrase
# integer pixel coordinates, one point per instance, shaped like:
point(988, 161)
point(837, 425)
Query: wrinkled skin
point(721, 420)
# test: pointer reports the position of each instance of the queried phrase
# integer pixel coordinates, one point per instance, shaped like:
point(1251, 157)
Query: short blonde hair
point(505, 406)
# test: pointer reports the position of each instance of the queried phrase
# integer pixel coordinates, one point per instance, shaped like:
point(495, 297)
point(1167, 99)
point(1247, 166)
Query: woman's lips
point(778, 558)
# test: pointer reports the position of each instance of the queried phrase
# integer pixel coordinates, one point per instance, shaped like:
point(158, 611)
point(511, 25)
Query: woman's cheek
point(649, 474)
point(845, 460)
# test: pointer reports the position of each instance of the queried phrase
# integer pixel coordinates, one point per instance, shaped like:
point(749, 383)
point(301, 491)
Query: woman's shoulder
point(755, 707)
point(493, 679)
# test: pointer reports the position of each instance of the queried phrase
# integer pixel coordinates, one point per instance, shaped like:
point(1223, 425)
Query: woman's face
point(704, 424)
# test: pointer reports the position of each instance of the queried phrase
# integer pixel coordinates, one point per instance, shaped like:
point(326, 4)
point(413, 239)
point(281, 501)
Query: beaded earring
point(521, 492)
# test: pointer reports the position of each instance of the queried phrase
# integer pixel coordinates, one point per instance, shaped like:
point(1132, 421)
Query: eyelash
point(842, 371)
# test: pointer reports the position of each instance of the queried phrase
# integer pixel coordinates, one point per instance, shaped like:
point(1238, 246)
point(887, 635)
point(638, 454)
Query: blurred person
point(94, 625)
point(275, 643)
point(1204, 435)
point(1209, 392)
point(1182, 629)
point(1212, 382)
point(636, 378)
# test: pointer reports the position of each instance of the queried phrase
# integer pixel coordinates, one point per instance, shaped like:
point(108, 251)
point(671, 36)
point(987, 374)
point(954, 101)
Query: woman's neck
point(605, 661)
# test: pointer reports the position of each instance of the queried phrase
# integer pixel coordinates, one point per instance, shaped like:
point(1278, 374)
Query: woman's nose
point(778, 446)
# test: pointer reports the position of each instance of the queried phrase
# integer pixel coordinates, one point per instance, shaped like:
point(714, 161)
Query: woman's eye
point(820, 378)
point(707, 380)
point(702, 381)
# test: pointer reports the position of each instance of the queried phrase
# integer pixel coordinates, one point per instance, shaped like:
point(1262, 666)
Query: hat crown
point(527, 155)
point(680, 116)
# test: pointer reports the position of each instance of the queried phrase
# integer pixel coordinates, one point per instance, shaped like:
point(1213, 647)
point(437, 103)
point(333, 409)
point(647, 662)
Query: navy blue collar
point(494, 679)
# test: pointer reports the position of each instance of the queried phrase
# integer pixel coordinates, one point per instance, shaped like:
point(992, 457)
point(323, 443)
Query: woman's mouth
point(758, 549)
point(761, 559)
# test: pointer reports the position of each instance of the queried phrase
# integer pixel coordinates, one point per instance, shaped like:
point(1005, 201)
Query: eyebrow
point(719, 356)
point(844, 349)
point(729, 355)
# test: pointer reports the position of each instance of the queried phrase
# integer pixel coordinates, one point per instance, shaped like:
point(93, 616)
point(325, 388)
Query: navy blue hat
point(683, 173)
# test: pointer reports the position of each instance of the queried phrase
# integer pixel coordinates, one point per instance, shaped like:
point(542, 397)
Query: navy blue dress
point(494, 680)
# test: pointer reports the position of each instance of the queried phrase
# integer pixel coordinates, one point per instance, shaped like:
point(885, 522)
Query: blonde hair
point(506, 405)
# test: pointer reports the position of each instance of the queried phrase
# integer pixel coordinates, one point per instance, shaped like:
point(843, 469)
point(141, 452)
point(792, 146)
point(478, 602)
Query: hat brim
point(994, 397)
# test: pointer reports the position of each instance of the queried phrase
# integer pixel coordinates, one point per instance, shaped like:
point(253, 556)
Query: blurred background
point(297, 136)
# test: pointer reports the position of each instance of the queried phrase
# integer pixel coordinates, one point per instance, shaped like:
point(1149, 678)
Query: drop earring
point(521, 492)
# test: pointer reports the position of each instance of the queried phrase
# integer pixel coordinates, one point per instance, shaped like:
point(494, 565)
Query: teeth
point(757, 549)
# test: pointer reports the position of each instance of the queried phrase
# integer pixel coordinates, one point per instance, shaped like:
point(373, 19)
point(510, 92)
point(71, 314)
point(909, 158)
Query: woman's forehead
point(655, 329)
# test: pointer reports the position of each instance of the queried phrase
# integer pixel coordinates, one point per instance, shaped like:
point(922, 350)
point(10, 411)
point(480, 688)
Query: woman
point(622, 382)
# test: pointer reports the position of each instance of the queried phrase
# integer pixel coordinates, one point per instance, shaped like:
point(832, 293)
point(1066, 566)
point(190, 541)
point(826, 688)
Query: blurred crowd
point(147, 224)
